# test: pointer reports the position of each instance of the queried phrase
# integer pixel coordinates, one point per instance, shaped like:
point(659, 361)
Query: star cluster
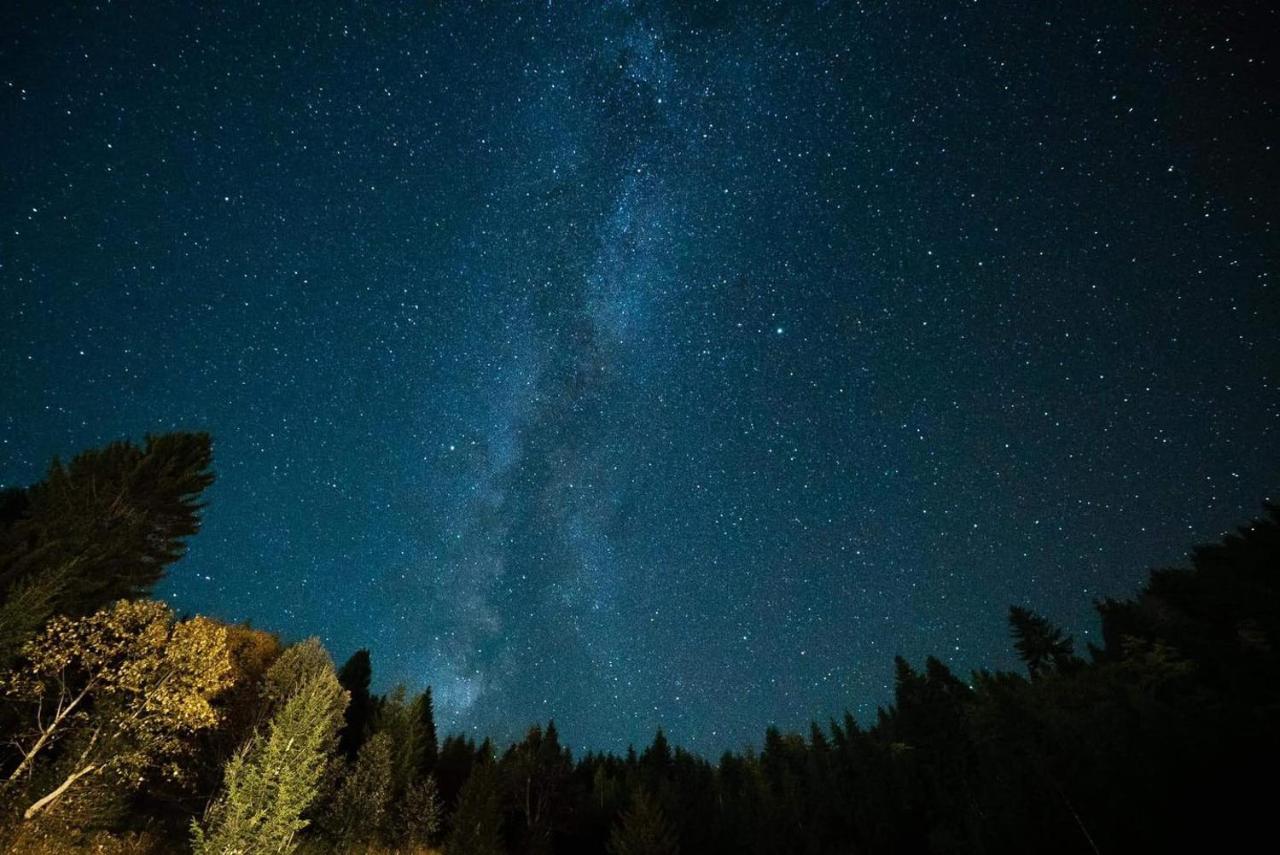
point(652, 363)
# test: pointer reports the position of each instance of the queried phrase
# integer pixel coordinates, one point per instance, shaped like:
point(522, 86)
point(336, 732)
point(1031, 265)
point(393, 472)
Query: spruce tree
point(477, 823)
point(276, 776)
point(643, 830)
point(103, 527)
point(1039, 643)
point(424, 712)
point(355, 676)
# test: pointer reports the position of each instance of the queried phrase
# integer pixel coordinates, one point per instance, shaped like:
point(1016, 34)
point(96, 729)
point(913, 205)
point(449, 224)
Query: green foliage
point(100, 528)
point(420, 814)
point(275, 778)
point(359, 810)
point(1109, 755)
point(126, 686)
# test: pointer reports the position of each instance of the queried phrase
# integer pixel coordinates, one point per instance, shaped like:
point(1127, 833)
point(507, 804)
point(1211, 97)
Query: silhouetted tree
point(477, 823)
point(643, 830)
point(1040, 644)
point(355, 676)
point(100, 528)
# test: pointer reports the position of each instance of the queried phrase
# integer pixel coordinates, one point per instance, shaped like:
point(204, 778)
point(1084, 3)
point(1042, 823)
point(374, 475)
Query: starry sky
point(632, 363)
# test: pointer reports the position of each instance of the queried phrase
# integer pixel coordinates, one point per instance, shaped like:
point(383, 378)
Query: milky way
point(636, 363)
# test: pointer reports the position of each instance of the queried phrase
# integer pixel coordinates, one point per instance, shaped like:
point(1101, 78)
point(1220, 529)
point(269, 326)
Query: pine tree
point(359, 810)
point(420, 813)
point(1039, 643)
point(355, 676)
point(276, 776)
point(103, 527)
point(643, 830)
point(477, 823)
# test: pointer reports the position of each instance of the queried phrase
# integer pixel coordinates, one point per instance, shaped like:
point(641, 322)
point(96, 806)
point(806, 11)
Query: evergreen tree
point(1039, 643)
point(103, 527)
point(536, 772)
point(643, 830)
point(655, 761)
point(355, 676)
point(274, 779)
point(359, 810)
point(425, 714)
point(420, 813)
point(453, 767)
point(477, 823)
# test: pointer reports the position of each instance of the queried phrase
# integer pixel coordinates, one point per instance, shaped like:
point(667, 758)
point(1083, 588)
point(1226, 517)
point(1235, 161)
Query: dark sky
point(641, 363)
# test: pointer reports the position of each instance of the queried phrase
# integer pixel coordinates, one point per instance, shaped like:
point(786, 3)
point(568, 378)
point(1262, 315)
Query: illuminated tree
point(276, 776)
point(131, 685)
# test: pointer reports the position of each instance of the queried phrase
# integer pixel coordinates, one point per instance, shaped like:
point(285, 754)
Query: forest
point(129, 728)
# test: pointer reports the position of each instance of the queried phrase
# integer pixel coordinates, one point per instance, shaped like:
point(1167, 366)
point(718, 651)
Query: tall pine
point(275, 778)
point(355, 676)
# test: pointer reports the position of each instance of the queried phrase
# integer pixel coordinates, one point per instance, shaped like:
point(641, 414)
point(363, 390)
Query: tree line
point(128, 728)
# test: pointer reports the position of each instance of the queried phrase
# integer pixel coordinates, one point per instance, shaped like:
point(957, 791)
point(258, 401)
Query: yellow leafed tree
point(124, 688)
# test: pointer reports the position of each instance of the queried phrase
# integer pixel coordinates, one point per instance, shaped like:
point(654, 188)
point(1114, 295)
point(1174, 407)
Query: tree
point(355, 676)
point(643, 830)
point(276, 776)
point(129, 682)
point(477, 823)
point(425, 716)
point(420, 813)
point(359, 810)
point(453, 767)
point(101, 528)
point(1040, 644)
point(412, 732)
point(536, 771)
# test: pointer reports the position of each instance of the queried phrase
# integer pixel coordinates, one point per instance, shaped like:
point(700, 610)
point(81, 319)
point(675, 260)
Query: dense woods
point(131, 729)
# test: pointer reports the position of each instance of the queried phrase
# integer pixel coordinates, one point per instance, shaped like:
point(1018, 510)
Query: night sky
point(636, 363)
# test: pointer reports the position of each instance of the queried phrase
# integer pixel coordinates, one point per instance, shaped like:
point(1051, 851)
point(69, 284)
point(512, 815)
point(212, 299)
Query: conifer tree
point(1039, 643)
point(420, 813)
point(355, 676)
point(276, 776)
point(103, 527)
point(477, 823)
point(359, 810)
point(425, 714)
point(643, 830)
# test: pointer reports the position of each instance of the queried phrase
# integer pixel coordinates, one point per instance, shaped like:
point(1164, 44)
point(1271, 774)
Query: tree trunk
point(29, 756)
point(53, 796)
point(46, 734)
